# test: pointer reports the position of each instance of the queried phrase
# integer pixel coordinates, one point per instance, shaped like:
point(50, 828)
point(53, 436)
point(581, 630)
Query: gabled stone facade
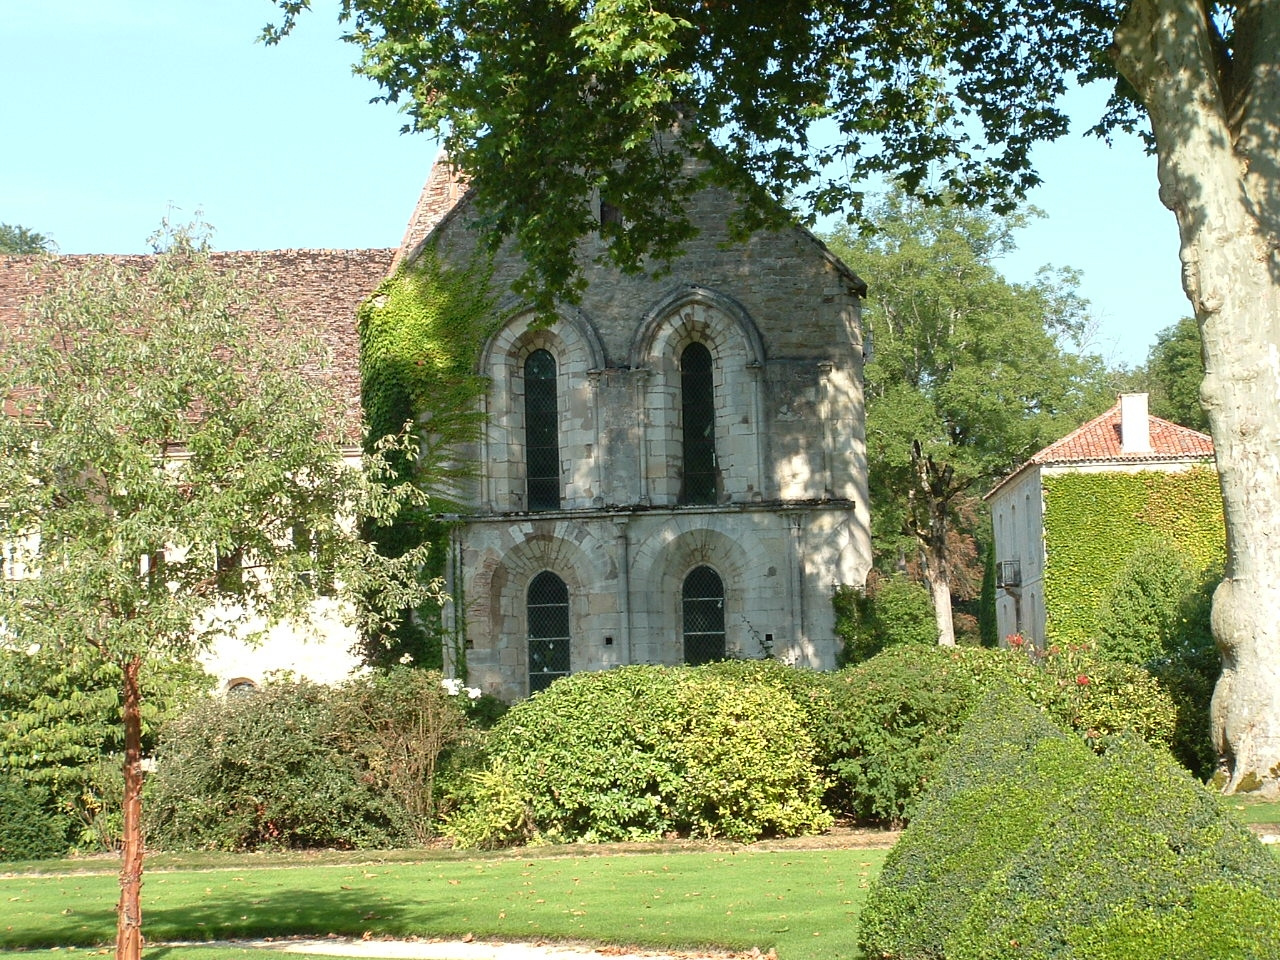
point(643, 542)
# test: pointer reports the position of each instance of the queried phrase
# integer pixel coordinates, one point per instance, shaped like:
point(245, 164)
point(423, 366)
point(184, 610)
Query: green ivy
point(1093, 522)
point(421, 333)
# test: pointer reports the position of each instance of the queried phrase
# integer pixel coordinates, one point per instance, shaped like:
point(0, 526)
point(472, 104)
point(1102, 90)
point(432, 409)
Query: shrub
point(1219, 922)
point(397, 724)
point(1144, 615)
point(28, 831)
point(265, 770)
point(896, 714)
point(1138, 838)
point(1002, 778)
point(642, 751)
point(892, 611)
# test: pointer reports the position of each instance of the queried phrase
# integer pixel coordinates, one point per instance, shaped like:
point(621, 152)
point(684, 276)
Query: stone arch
point(700, 315)
point(663, 562)
point(497, 590)
point(720, 318)
point(575, 345)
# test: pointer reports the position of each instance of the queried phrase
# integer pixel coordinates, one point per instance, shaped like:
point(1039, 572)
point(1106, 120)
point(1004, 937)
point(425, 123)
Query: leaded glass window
point(703, 601)
point(548, 611)
point(698, 409)
point(541, 432)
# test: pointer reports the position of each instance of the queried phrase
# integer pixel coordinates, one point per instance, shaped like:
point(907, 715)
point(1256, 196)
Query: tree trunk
point(1214, 124)
point(129, 910)
point(940, 590)
point(930, 505)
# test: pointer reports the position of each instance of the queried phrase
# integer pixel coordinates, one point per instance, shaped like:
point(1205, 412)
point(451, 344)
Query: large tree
point(168, 472)
point(969, 375)
point(1174, 371)
point(545, 102)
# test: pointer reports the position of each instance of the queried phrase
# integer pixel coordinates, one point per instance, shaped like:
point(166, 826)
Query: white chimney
point(1135, 428)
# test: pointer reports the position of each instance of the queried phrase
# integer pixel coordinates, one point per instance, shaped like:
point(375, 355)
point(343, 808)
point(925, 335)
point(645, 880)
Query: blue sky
point(113, 112)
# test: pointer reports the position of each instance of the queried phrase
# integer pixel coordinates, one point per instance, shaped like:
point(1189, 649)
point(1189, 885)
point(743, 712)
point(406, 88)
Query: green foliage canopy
point(1175, 367)
point(19, 240)
point(545, 102)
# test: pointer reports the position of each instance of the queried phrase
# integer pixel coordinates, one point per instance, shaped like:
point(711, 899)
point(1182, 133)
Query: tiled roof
point(319, 288)
point(1099, 441)
point(445, 186)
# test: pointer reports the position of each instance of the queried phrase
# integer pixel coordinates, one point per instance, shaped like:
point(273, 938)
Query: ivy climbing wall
point(421, 333)
point(1093, 522)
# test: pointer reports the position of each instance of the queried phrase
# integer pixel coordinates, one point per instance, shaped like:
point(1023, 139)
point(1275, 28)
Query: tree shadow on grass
point(256, 913)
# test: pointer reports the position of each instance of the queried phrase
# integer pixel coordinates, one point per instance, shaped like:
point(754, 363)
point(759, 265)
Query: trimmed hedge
point(1031, 847)
point(898, 713)
point(643, 751)
point(1001, 781)
point(1140, 835)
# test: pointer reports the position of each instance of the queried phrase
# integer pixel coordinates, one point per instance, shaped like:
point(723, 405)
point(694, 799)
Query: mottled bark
point(928, 515)
point(1215, 114)
point(129, 910)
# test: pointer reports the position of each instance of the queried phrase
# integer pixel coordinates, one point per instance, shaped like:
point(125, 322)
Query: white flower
point(473, 692)
point(452, 686)
point(406, 658)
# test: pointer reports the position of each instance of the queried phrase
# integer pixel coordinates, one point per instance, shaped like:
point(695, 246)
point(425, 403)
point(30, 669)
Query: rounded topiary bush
point(265, 770)
point(1218, 921)
point(643, 751)
point(1139, 838)
point(28, 831)
point(1004, 774)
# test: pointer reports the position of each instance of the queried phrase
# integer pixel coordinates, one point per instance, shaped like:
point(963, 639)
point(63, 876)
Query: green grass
point(1253, 811)
point(802, 903)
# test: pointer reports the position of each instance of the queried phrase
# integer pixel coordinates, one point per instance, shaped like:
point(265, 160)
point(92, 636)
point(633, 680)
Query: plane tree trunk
point(1214, 116)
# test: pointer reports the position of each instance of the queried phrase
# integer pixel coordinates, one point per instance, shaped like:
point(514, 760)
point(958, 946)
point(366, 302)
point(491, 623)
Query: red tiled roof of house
point(445, 186)
point(320, 289)
point(1099, 440)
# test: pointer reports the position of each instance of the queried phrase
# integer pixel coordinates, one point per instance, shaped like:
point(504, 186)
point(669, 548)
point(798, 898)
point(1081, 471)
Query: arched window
point(548, 611)
point(698, 410)
point(541, 432)
point(703, 600)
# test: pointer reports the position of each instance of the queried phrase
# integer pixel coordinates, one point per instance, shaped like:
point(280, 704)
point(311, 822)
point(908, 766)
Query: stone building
point(674, 470)
point(1123, 440)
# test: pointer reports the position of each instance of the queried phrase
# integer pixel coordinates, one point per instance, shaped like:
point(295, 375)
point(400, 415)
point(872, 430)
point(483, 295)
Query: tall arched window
point(541, 432)
point(703, 600)
point(548, 612)
point(698, 410)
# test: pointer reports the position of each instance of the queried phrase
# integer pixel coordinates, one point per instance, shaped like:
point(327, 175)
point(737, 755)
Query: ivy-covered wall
point(421, 333)
point(1093, 522)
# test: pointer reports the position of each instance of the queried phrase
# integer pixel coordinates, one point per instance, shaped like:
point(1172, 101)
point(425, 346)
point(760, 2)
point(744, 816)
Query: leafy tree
point(1175, 369)
point(969, 375)
point(546, 103)
point(156, 461)
point(15, 239)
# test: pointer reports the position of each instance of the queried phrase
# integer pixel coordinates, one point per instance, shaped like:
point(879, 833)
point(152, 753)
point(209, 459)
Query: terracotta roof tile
point(1099, 440)
point(319, 288)
point(445, 186)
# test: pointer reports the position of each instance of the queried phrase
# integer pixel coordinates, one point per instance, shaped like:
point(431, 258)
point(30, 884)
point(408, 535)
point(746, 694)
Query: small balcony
point(1009, 573)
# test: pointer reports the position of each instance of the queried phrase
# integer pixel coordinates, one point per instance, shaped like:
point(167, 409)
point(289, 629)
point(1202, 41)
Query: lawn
point(802, 903)
point(1253, 811)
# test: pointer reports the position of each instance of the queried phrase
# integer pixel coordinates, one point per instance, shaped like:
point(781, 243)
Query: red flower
point(1082, 680)
point(1015, 640)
